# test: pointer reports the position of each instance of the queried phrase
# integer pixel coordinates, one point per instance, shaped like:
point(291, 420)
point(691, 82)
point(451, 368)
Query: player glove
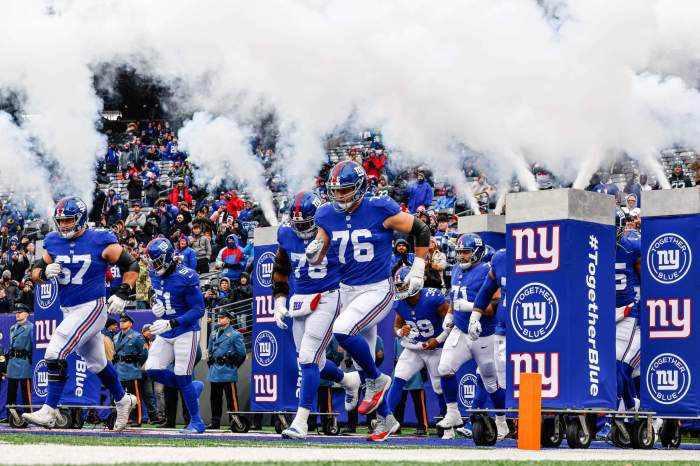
point(117, 302)
point(474, 325)
point(416, 276)
point(281, 312)
point(448, 322)
point(53, 270)
point(157, 308)
point(162, 326)
point(313, 251)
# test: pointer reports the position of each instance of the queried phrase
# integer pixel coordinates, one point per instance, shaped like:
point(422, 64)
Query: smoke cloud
point(569, 84)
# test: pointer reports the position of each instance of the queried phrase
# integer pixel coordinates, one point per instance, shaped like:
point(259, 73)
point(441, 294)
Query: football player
point(178, 304)
point(418, 319)
point(360, 229)
point(77, 257)
point(313, 307)
point(627, 271)
point(473, 335)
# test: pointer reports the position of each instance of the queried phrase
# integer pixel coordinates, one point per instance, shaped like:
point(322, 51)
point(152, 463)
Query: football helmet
point(70, 208)
point(302, 212)
point(343, 176)
point(489, 251)
point(470, 242)
point(402, 283)
point(160, 255)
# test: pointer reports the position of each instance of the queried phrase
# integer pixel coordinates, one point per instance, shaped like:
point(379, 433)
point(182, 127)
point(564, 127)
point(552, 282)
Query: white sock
point(452, 407)
point(302, 416)
point(501, 418)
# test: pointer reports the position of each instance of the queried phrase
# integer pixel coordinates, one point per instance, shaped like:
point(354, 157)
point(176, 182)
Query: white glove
point(448, 322)
point(474, 325)
point(416, 276)
point(157, 308)
point(116, 304)
point(462, 305)
point(413, 334)
point(53, 270)
point(313, 251)
point(160, 326)
point(281, 312)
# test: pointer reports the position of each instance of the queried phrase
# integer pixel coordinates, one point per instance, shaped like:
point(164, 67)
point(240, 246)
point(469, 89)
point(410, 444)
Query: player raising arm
point(77, 257)
point(360, 229)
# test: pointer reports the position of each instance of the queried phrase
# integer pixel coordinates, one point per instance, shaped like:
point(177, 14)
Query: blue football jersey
point(627, 253)
point(498, 267)
point(360, 241)
point(180, 294)
point(465, 285)
point(116, 279)
point(307, 278)
point(423, 316)
point(83, 278)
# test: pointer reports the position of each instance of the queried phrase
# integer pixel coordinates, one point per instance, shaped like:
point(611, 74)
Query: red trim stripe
point(298, 203)
point(92, 317)
point(378, 309)
point(193, 353)
point(337, 171)
point(329, 333)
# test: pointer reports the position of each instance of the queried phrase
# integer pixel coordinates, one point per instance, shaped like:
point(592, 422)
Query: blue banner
point(670, 287)
point(561, 293)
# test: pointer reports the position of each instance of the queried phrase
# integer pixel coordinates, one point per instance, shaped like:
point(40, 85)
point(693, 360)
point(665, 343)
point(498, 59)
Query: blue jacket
point(130, 345)
point(445, 202)
point(189, 258)
point(224, 345)
point(21, 339)
point(419, 194)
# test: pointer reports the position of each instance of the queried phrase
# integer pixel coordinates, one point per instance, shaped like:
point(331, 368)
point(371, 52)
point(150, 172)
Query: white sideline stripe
point(74, 454)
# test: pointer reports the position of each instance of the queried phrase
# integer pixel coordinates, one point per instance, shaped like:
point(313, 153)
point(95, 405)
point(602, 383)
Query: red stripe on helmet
point(337, 171)
point(59, 209)
point(298, 203)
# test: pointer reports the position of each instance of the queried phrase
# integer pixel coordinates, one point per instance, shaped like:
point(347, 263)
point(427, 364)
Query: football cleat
point(464, 431)
point(502, 427)
point(295, 431)
point(452, 419)
point(196, 426)
point(45, 417)
point(124, 407)
point(374, 393)
point(351, 385)
point(384, 428)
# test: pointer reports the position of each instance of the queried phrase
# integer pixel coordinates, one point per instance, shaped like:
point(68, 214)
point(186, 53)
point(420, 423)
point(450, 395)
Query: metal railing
point(242, 318)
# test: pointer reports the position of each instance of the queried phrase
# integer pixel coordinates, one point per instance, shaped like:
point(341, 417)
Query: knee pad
point(306, 357)
point(445, 370)
point(437, 387)
point(57, 370)
point(490, 383)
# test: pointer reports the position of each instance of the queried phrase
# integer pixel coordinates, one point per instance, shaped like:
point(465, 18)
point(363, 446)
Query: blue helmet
point(70, 208)
point(401, 283)
point(160, 255)
point(302, 212)
point(471, 242)
point(620, 223)
point(489, 251)
point(346, 175)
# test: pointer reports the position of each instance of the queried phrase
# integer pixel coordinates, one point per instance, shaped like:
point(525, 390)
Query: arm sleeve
point(195, 301)
point(483, 297)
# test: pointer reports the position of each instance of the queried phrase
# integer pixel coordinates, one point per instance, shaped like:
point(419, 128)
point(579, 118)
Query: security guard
point(130, 354)
point(19, 364)
point(226, 353)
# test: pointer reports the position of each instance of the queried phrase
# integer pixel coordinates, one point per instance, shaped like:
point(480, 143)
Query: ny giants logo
point(668, 378)
point(669, 258)
point(677, 325)
point(536, 249)
point(264, 309)
point(265, 389)
point(467, 390)
point(537, 362)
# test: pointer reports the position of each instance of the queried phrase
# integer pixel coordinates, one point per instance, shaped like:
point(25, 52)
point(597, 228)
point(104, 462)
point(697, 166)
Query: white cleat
point(464, 432)
point(448, 434)
point(351, 384)
point(124, 407)
point(295, 431)
point(45, 417)
point(452, 419)
point(502, 427)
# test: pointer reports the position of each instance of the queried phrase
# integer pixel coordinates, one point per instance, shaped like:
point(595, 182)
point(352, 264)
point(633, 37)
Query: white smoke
point(221, 150)
point(568, 84)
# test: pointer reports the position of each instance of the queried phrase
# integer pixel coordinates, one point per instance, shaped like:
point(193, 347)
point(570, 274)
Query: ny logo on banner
point(668, 259)
point(528, 363)
point(667, 379)
point(537, 249)
point(663, 325)
point(264, 309)
point(534, 313)
point(265, 389)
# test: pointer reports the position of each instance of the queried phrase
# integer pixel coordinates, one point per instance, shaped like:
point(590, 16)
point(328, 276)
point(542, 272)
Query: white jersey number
point(164, 297)
point(423, 326)
point(361, 251)
point(318, 271)
point(620, 278)
point(66, 277)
